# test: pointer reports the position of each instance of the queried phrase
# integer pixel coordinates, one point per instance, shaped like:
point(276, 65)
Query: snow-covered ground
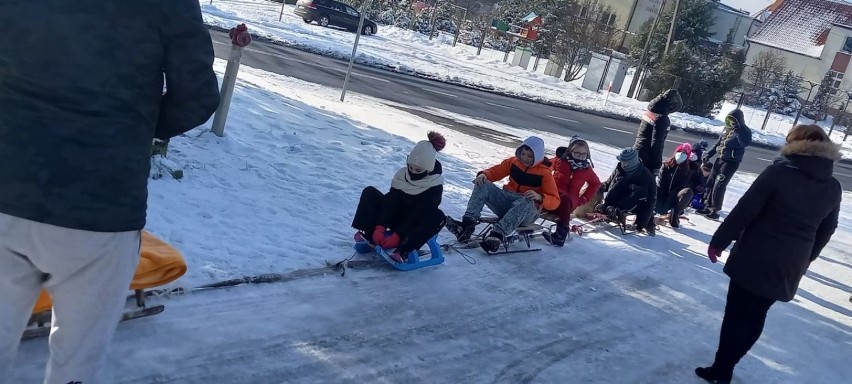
point(411, 52)
point(277, 194)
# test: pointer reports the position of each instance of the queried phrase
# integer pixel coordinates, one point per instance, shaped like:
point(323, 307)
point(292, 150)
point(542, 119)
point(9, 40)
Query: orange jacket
point(538, 178)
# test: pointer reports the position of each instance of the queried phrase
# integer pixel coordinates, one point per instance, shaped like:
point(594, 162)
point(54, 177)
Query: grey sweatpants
point(513, 209)
point(87, 274)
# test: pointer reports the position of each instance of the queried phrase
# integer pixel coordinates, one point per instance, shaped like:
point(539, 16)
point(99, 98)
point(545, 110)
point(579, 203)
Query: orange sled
point(159, 264)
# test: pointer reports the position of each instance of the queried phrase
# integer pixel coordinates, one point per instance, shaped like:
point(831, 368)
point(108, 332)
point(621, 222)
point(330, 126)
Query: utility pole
point(672, 28)
point(641, 67)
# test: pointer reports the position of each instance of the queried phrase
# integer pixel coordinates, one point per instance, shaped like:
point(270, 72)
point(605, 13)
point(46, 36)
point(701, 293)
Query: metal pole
point(482, 40)
point(228, 82)
point(672, 28)
point(640, 67)
point(458, 31)
point(807, 100)
point(432, 22)
point(354, 47)
point(768, 113)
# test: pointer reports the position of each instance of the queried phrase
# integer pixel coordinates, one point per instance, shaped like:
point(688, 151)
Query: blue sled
point(413, 262)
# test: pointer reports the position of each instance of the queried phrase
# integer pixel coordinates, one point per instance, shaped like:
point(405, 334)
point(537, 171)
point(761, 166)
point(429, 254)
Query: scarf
point(577, 164)
point(404, 182)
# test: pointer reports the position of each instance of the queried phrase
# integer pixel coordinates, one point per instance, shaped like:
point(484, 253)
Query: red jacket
point(570, 182)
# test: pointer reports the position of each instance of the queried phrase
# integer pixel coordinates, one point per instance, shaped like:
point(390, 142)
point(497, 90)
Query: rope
point(470, 259)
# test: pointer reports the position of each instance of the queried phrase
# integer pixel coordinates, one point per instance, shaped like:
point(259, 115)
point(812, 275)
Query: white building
point(813, 36)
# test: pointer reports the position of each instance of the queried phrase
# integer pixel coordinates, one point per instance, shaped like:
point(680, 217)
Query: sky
point(751, 6)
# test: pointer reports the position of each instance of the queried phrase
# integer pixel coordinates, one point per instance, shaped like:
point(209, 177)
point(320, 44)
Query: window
point(607, 18)
point(352, 11)
point(847, 45)
point(836, 79)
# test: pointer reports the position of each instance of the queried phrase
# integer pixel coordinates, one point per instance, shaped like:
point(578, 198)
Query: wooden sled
point(159, 264)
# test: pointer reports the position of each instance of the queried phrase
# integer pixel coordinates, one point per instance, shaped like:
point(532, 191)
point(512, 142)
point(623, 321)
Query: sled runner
point(522, 233)
point(414, 261)
point(159, 264)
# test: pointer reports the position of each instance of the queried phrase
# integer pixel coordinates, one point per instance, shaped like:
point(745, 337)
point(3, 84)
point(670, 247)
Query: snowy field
point(277, 194)
point(410, 52)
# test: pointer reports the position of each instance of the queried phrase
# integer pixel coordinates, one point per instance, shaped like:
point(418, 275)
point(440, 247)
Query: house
point(732, 25)
point(813, 36)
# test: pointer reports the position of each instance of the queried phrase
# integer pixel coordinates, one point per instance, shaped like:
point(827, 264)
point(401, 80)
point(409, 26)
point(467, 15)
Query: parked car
point(330, 12)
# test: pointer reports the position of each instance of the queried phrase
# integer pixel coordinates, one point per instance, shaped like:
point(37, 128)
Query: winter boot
point(557, 238)
point(492, 242)
point(651, 230)
point(704, 211)
point(714, 375)
point(674, 219)
point(713, 215)
point(461, 229)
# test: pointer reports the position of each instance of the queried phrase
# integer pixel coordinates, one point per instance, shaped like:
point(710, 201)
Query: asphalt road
point(418, 92)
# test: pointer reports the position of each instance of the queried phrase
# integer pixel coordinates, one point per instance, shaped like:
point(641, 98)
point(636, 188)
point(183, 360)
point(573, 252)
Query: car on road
point(330, 12)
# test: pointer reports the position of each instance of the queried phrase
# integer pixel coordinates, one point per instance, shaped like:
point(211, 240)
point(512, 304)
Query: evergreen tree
point(703, 70)
point(816, 109)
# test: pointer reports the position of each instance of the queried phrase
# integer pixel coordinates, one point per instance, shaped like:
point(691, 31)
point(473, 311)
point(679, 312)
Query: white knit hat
point(423, 156)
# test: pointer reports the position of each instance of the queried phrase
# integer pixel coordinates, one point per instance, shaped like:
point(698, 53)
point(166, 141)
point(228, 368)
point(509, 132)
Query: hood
point(738, 116)
point(686, 148)
point(666, 102)
point(537, 145)
point(814, 158)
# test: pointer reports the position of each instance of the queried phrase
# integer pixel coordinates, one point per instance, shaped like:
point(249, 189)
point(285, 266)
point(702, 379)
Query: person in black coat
point(730, 149)
point(630, 189)
point(654, 127)
point(779, 229)
point(407, 216)
point(674, 192)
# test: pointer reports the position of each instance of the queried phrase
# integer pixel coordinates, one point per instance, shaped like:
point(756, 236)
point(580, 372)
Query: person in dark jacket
point(779, 229)
point(629, 189)
point(654, 128)
point(407, 216)
point(674, 192)
point(81, 100)
point(730, 149)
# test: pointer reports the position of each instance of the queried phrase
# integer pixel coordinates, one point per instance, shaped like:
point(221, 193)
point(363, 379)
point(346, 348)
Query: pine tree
point(704, 71)
point(816, 109)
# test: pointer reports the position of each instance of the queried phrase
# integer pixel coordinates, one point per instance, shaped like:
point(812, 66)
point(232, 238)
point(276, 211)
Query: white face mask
point(680, 157)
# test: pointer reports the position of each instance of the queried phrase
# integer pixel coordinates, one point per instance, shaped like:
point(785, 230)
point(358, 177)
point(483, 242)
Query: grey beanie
point(631, 157)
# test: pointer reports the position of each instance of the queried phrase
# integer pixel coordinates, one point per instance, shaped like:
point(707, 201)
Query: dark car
point(330, 12)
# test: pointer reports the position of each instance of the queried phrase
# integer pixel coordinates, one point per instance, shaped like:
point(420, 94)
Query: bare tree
point(573, 29)
point(765, 73)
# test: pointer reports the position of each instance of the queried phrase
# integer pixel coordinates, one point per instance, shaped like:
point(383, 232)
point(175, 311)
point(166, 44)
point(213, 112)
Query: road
point(418, 92)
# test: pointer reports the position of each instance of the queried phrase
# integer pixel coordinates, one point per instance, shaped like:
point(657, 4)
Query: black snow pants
point(414, 225)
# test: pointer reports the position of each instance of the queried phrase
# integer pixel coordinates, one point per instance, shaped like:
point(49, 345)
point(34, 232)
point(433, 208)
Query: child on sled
point(572, 170)
point(407, 216)
point(674, 192)
point(530, 188)
point(630, 189)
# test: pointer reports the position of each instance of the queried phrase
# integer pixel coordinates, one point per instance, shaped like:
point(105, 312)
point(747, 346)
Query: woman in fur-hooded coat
point(779, 226)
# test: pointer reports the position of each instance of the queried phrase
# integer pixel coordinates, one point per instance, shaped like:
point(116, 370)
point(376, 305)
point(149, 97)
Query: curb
point(310, 49)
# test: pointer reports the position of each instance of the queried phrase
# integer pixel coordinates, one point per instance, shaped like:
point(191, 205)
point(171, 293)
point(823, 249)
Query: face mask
point(680, 157)
point(693, 157)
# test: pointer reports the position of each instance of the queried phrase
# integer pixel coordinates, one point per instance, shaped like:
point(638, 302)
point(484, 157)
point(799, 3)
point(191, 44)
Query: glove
point(391, 241)
point(379, 235)
point(582, 201)
point(713, 254)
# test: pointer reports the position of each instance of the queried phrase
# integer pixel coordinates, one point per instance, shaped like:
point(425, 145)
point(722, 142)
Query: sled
point(159, 264)
point(414, 261)
point(664, 219)
point(598, 221)
point(522, 233)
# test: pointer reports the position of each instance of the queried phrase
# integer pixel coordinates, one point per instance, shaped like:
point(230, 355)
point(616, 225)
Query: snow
point(277, 193)
point(413, 53)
